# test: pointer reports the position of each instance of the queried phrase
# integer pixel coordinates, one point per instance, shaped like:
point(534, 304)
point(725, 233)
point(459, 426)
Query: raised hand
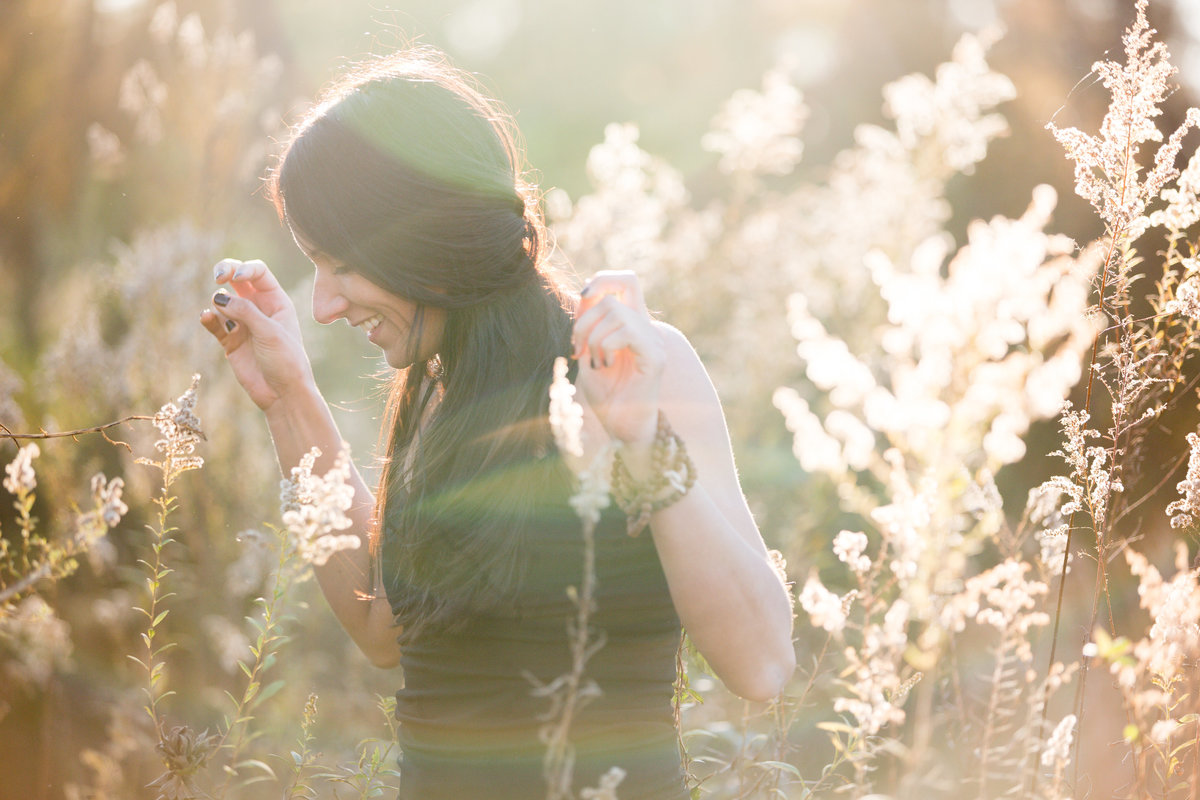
point(259, 331)
point(621, 356)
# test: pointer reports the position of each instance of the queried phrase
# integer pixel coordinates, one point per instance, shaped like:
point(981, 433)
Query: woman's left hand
point(621, 356)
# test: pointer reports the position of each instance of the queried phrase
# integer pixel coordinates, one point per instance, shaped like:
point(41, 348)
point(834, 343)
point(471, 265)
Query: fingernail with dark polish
point(221, 299)
point(230, 325)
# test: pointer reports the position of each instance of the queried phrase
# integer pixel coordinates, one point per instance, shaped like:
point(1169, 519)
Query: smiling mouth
point(371, 323)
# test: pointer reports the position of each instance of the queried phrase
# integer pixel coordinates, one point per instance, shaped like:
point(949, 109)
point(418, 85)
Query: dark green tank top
point(469, 716)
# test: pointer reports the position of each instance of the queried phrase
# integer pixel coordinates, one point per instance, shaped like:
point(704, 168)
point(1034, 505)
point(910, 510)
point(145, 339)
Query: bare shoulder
point(685, 380)
point(688, 397)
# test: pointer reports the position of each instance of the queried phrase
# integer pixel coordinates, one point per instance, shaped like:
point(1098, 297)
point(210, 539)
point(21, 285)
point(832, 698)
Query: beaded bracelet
point(674, 472)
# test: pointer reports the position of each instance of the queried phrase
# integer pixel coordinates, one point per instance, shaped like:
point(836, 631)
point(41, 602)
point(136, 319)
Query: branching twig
point(44, 434)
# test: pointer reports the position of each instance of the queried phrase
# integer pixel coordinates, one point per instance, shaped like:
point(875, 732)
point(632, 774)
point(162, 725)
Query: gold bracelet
point(674, 476)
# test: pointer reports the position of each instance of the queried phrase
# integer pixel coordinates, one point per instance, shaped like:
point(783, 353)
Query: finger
point(213, 323)
point(622, 283)
point(600, 341)
point(222, 328)
point(254, 273)
point(608, 307)
point(223, 270)
point(242, 312)
point(620, 343)
point(246, 277)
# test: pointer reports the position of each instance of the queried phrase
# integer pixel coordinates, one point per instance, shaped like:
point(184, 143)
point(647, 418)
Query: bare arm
point(724, 586)
point(722, 581)
point(267, 356)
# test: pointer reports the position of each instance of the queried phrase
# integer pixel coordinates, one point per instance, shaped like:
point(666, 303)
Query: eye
point(342, 270)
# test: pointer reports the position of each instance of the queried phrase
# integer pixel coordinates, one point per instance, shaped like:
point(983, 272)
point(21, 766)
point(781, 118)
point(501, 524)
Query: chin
point(398, 360)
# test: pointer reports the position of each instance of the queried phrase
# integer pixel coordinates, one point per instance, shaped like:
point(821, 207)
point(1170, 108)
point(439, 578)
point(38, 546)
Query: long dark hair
point(410, 175)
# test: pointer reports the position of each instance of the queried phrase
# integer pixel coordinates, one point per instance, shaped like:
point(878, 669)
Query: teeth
point(371, 324)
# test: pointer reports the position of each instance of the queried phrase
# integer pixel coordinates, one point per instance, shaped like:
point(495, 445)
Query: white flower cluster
point(904, 522)
point(20, 479)
point(142, 95)
point(758, 132)
point(607, 788)
point(106, 495)
point(1011, 598)
point(1001, 598)
point(1058, 746)
point(1093, 479)
point(566, 416)
point(1043, 511)
point(1173, 642)
point(181, 432)
point(314, 508)
point(1106, 165)
point(850, 547)
point(1182, 209)
point(1183, 512)
point(824, 608)
point(1187, 294)
point(591, 495)
point(979, 352)
point(623, 223)
point(877, 693)
point(950, 113)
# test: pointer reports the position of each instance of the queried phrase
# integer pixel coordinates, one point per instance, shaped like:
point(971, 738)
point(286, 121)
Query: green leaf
point(781, 766)
point(254, 762)
point(836, 727)
point(270, 691)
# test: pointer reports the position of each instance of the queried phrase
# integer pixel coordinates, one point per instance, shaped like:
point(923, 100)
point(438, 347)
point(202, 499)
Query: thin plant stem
point(24, 583)
point(264, 649)
point(155, 615)
point(1105, 273)
point(559, 760)
point(43, 434)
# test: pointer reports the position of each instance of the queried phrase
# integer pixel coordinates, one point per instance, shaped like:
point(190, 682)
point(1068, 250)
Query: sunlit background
point(134, 135)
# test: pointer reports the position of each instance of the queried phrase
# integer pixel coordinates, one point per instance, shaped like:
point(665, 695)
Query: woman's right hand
point(258, 328)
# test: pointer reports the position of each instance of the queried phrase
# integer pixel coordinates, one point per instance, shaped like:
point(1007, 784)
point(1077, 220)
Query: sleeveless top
point(469, 717)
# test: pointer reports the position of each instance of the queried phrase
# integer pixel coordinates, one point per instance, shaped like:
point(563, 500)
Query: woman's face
point(406, 332)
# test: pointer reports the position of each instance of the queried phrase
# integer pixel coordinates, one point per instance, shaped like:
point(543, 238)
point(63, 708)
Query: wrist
point(297, 400)
point(646, 480)
point(300, 421)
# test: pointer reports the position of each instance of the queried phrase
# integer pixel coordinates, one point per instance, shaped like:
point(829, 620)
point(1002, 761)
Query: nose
point(328, 304)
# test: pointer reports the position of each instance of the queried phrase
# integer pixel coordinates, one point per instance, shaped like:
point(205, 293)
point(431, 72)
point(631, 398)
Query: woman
point(404, 189)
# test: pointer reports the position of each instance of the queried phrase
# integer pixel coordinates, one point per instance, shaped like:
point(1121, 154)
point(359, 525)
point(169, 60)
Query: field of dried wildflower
point(974, 443)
